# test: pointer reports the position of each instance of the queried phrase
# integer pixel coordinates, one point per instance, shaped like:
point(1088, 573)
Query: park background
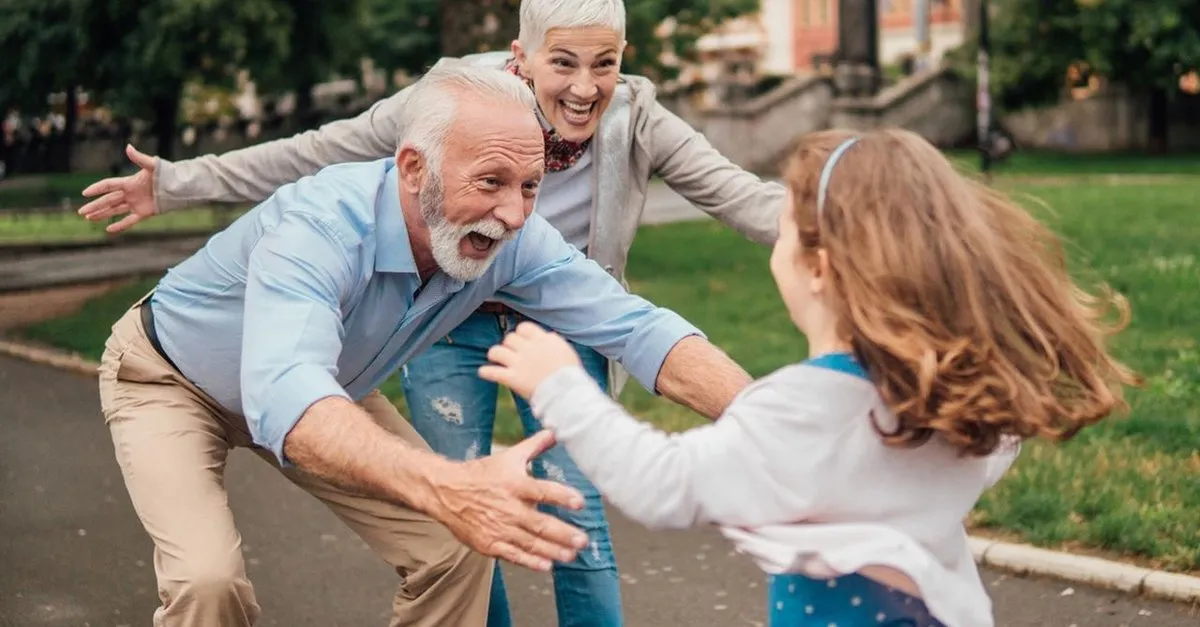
point(1091, 119)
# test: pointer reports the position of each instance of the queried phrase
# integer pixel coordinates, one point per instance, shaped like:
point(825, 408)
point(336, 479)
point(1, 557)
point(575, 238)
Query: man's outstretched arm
point(701, 376)
point(556, 285)
point(484, 503)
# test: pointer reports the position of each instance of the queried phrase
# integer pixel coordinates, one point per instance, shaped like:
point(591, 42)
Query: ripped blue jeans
point(455, 411)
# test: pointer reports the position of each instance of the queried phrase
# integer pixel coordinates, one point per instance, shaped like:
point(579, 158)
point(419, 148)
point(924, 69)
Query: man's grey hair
point(432, 102)
point(539, 17)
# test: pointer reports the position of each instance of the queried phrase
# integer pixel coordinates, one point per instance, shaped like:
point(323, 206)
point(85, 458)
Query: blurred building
point(790, 37)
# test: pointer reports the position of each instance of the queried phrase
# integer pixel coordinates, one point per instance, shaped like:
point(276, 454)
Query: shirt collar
point(393, 251)
point(546, 126)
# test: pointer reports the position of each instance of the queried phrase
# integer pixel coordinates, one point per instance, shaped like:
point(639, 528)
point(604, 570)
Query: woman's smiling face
point(574, 75)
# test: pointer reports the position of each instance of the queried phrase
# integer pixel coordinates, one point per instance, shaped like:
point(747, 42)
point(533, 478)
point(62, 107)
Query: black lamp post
point(983, 97)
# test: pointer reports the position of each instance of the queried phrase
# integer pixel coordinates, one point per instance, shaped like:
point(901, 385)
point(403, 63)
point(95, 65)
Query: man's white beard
point(444, 237)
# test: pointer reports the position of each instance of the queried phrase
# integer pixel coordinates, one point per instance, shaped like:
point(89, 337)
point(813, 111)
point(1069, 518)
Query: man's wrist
point(421, 475)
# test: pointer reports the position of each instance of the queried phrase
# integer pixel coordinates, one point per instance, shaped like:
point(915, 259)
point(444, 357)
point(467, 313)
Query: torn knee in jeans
point(448, 409)
point(554, 472)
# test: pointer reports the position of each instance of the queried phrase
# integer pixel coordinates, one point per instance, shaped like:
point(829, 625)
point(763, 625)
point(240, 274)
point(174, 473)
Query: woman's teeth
point(576, 113)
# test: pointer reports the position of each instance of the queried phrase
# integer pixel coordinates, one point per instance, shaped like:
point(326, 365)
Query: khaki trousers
point(171, 441)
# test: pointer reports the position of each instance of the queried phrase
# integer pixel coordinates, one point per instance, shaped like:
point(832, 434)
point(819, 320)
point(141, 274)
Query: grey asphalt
point(89, 265)
point(75, 555)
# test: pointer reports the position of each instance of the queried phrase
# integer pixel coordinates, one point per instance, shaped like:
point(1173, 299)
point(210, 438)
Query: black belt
point(493, 307)
point(151, 334)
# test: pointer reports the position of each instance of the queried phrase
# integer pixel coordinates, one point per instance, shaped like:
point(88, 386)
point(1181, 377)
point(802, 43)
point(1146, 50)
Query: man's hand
point(133, 194)
point(526, 357)
point(488, 504)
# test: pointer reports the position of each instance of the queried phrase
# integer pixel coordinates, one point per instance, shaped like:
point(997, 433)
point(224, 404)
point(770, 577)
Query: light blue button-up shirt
point(315, 293)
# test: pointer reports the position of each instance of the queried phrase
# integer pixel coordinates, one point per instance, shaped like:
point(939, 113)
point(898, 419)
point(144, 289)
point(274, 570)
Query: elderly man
point(276, 334)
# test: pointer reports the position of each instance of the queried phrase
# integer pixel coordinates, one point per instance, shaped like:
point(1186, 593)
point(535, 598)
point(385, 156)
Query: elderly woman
point(606, 136)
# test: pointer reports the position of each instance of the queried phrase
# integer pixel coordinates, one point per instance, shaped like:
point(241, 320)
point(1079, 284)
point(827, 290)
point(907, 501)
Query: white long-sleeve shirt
point(796, 476)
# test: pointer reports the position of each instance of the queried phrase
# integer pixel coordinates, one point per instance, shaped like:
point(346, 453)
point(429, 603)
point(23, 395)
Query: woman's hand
point(131, 196)
point(527, 357)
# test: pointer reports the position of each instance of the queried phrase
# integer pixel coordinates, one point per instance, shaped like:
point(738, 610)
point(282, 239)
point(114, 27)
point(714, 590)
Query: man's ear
point(518, 53)
point(412, 169)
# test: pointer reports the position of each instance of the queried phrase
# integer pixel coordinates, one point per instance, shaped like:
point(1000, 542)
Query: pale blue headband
point(827, 171)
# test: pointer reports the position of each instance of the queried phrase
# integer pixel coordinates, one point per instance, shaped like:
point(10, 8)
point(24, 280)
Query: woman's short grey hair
point(539, 17)
point(431, 104)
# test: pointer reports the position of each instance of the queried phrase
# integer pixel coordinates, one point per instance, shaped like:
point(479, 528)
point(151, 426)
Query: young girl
point(943, 329)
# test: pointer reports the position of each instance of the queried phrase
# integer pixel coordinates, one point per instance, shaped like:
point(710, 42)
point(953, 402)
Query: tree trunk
point(1158, 120)
point(72, 118)
point(470, 26)
point(306, 45)
point(304, 114)
point(166, 117)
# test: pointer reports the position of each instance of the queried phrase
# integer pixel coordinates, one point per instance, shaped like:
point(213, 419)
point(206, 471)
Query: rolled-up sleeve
point(292, 335)
point(558, 286)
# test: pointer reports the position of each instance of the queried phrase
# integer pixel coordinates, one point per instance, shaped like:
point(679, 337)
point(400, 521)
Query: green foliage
point(400, 35)
point(1146, 45)
point(42, 50)
point(321, 39)
point(1143, 45)
point(166, 43)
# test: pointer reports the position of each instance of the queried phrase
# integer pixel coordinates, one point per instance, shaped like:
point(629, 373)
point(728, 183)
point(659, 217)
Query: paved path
point(75, 555)
point(94, 264)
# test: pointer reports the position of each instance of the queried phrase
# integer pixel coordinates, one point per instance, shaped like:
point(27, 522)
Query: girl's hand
point(527, 357)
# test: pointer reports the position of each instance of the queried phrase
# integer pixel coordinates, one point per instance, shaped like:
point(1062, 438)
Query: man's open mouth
point(480, 242)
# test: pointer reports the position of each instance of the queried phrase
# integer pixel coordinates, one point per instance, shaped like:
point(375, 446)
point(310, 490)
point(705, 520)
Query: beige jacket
point(637, 139)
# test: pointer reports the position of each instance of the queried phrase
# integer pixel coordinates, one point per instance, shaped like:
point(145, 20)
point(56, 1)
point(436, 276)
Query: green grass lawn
point(66, 226)
point(1039, 163)
point(40, 190)
point(1130, 486)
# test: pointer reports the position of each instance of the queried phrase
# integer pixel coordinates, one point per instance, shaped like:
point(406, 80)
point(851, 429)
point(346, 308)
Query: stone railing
point(936, 105)
point(756, 135)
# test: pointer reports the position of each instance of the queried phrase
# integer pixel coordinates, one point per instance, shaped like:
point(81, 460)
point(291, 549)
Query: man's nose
point(511, 211)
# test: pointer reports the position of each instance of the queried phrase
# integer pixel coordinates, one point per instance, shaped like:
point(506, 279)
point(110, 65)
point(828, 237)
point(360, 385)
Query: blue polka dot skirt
point(847, 601)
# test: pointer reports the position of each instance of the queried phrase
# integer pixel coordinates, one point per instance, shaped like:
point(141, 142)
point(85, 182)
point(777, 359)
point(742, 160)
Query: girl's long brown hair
point(956, 300)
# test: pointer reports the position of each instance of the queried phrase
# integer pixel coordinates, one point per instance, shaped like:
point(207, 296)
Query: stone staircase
point(757, 134)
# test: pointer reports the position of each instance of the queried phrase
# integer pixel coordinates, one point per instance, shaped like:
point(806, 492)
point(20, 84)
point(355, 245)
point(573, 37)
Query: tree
point(469, 26)
point(160, 45)
point(402, 36)
point(1144, 45)
point(323, 39)
point(33, 37)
